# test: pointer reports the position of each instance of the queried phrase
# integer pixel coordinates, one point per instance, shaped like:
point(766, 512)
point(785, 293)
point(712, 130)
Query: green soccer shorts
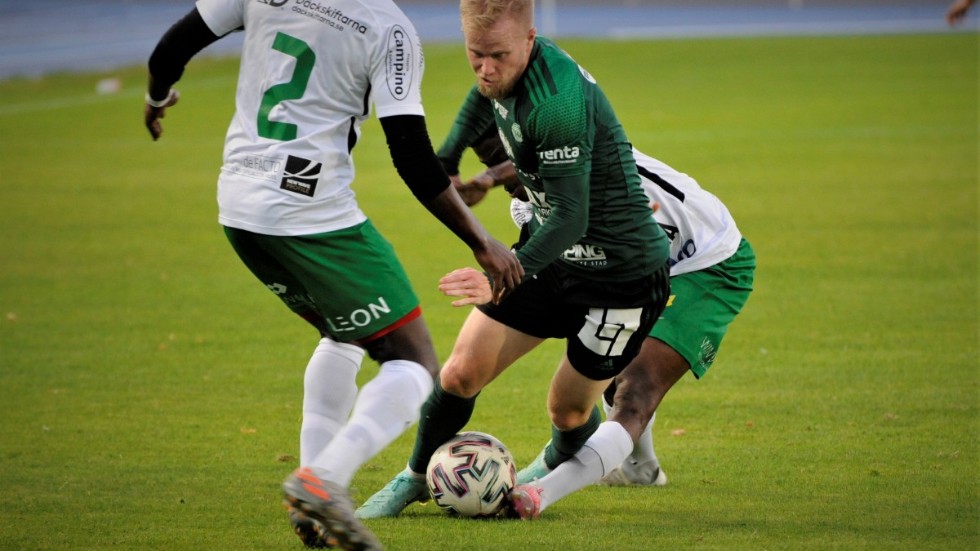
point(347, 283)
point(702, 305)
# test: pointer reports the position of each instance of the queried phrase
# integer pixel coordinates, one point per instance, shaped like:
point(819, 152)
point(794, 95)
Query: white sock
point(602, 452)
point(329, 390)
point(643, 450)
point(386, 406)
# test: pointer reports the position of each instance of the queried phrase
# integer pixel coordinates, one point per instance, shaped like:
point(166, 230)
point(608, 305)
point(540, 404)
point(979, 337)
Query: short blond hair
point(479, 15)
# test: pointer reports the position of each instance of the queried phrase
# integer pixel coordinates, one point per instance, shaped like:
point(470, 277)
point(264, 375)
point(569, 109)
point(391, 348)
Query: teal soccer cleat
point(536, 470)
point(403, 490)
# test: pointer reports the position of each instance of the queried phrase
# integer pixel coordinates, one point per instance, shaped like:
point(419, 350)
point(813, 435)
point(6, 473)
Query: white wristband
point(158, 104)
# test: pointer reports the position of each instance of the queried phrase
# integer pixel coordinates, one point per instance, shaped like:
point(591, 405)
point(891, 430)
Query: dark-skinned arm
point(416, 163)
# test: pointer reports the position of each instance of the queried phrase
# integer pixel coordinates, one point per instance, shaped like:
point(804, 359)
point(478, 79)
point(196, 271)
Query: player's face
point(499, 55)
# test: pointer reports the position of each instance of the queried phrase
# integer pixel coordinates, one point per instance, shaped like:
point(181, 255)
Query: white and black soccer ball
point(471, 475)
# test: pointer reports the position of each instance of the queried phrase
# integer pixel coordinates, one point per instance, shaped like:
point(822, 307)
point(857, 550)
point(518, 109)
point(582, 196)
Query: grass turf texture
point(150, 389)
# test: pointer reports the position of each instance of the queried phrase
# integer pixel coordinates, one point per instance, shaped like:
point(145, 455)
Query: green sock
point(442, 416)
point(566, 443)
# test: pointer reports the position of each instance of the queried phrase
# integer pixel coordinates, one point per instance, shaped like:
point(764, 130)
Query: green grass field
point(150, 389)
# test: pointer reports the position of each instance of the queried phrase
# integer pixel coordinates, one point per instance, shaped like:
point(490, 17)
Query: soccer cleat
point(536, 470)
point(310, 532)
point(525, 502)
point(403, 490)
point(629, 474)
point(328, 503)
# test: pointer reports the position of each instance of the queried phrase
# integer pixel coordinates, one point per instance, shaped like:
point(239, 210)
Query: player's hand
point(502, 266)
point(152, 115)
point(474, 190)
point(468, 283)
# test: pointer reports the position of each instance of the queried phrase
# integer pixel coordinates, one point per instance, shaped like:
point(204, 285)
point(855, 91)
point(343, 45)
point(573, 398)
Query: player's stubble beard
point(498, 91)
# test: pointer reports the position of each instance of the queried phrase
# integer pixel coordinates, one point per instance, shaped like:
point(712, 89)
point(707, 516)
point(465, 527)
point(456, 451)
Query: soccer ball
point(471, 475)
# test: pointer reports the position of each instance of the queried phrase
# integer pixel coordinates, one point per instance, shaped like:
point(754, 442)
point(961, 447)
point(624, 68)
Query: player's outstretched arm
point(416, 162)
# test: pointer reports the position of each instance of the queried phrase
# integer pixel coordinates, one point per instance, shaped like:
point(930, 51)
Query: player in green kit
point(595, 262)
point(711, 275)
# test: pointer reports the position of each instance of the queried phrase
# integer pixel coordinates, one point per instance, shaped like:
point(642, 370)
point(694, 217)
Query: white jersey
point(701, 230)
point(310, 73)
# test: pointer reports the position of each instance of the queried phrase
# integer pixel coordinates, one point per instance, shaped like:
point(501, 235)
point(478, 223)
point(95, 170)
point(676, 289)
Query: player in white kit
point(310, 75)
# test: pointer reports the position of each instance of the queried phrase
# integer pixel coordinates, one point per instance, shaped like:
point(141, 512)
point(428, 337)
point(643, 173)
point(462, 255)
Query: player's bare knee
point(569, 418)
point(458, 382)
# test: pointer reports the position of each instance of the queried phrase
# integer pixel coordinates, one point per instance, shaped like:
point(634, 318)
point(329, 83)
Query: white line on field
point(129, 94)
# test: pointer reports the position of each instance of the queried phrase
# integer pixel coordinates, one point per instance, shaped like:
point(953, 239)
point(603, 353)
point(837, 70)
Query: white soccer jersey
point(310, 72)
point(701, 230)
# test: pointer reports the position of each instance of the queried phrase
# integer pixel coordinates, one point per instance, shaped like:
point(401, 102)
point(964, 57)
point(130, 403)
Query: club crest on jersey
point(516, 131)
point(301, 176)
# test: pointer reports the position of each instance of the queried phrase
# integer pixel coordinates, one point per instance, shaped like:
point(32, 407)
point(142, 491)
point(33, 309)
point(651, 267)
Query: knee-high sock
point(603, 452)
point(443, 415)
point(329, 390)
point(643, 451)
point(385, 407)
point(566, 443)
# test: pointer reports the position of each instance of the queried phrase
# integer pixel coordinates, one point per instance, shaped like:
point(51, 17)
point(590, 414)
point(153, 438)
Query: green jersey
point(573, 158)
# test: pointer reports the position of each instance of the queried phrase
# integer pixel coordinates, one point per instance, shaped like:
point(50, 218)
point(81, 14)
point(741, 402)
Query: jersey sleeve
point(474, 119)
point(396, 74)
point(222, 16)
point(563, 136)
point(563, 133)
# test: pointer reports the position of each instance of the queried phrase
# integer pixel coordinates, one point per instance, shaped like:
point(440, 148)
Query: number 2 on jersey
point(294, 89)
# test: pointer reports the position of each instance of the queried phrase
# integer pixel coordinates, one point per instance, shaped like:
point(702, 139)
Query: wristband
point(158, 104)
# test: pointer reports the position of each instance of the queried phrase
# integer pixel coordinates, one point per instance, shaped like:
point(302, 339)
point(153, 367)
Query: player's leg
point(601, 344)
point(607, 340)
point(369, 302)
point(572, 400)
point(329, 390)
point(587, 450)
point(492, 338)
point(687, 337)
point(483, 349)
point(636, 393)
point(329, 380)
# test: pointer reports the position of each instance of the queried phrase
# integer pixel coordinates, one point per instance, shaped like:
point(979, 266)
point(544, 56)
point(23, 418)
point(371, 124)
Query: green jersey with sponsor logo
point(573, 157)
